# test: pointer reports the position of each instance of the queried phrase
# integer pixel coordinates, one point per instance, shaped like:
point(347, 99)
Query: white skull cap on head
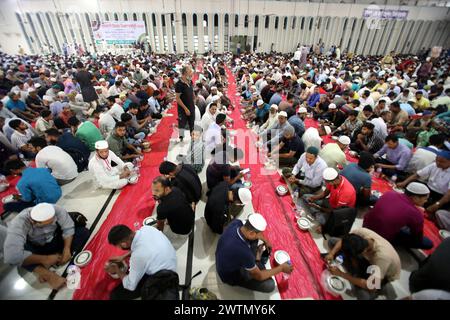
point(332, 106)
point(344, 140)
point(257, 221)
point(42, 212)
point(245, 196)
point(259, 102)
point(282, 114)
point(101, 144)
point(418, 188)
point(330, 174)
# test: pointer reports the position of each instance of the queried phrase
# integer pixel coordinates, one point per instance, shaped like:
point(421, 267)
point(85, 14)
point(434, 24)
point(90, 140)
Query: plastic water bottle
point(339, 260)
point(286, 275)
point(394, 179)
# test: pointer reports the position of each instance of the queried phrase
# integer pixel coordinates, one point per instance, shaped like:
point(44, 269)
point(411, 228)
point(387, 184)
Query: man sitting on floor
point(369, 139)
point(312, 136)
point(397, 157)
point(85, 131)
point(437, 177)
point(173, 207)
point(307, 173)
point(41, 237)
point(220, 168)
point(36, 185)
point(72, 145)
point(433, 272)
point(224, 205)
point(239, 259)
point(20, 137)
point(396, 217)
point(184, 177)
point(360, 178)
point(105, 175)
point(289, 150)
point(150, 254)
point(341, 192)
point(333, 153)
point(60, 163)
point(119, 144)
point(363, 249)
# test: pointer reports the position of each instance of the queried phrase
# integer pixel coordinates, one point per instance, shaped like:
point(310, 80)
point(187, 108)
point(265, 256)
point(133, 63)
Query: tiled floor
point(81, 196)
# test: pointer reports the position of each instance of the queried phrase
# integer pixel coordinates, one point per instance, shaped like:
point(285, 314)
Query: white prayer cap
point(332, 106)
point(37, 85)
point(101, 80)
point(344, 140)
point(259, 102)
point(282, 114)
point(394, 82)
point(302, 110)
point(257, 221)
point(418, 188)
point(274, 106)
point(245, 196)
point(53, 79)
point(413, 84)
point(330, 174)
point(253, 87)
point(213, 88)
point(42, 212)
point(97, 88)
point(255, 94)
point(31, 89)
point(327, 129)
point(47, 98)
point(101, 144)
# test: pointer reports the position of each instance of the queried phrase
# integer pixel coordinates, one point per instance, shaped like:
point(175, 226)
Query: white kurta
point(107, 177)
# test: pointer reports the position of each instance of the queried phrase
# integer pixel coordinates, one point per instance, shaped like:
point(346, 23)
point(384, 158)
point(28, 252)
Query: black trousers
point(401, 175)
point(120, 293)
point(184, 121)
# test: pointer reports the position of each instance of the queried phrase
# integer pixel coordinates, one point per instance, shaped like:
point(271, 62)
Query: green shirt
point(89, 134)
point(116, 144)
point(406, 143)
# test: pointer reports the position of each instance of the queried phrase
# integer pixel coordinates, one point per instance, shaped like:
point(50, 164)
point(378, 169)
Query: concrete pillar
point(190, 32)
point(201, 35)
point(160, 33)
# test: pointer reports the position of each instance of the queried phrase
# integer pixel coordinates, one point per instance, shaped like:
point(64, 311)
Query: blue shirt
point(408, 108)
point(313, 99)
point(399, 156)
point(38, 185)
point(68, 142)
point(233, 253)
point(357, 176)
point(275, 99)
point(261, 112)
point(19, 104)
point(298, 125)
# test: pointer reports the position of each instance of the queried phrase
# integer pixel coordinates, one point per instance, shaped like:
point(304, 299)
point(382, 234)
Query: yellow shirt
point(422, 104)
point(333, 155)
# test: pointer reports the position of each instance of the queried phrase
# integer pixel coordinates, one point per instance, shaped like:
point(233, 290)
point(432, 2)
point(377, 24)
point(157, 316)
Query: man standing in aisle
point(185, 100)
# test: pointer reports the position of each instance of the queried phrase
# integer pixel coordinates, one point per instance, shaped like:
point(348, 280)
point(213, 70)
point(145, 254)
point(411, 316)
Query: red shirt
point(342, 196)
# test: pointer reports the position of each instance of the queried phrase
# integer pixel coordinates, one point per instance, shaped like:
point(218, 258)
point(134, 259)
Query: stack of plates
point(83, 258)
point(282, 190)
point(336, 284)
point(8, 199)
point(281, 257)
point(304, 223)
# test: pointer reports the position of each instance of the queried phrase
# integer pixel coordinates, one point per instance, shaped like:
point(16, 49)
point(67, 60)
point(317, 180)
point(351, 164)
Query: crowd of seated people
point(69, 114)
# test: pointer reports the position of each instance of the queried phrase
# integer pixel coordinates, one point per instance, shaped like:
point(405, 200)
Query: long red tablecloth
point(282, 230)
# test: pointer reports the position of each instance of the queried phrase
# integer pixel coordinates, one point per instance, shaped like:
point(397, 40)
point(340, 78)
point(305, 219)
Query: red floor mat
point(282, 231)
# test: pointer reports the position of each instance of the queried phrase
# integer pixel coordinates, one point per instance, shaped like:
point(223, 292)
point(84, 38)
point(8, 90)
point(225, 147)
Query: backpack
point(162, 285)
point(340, 221)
